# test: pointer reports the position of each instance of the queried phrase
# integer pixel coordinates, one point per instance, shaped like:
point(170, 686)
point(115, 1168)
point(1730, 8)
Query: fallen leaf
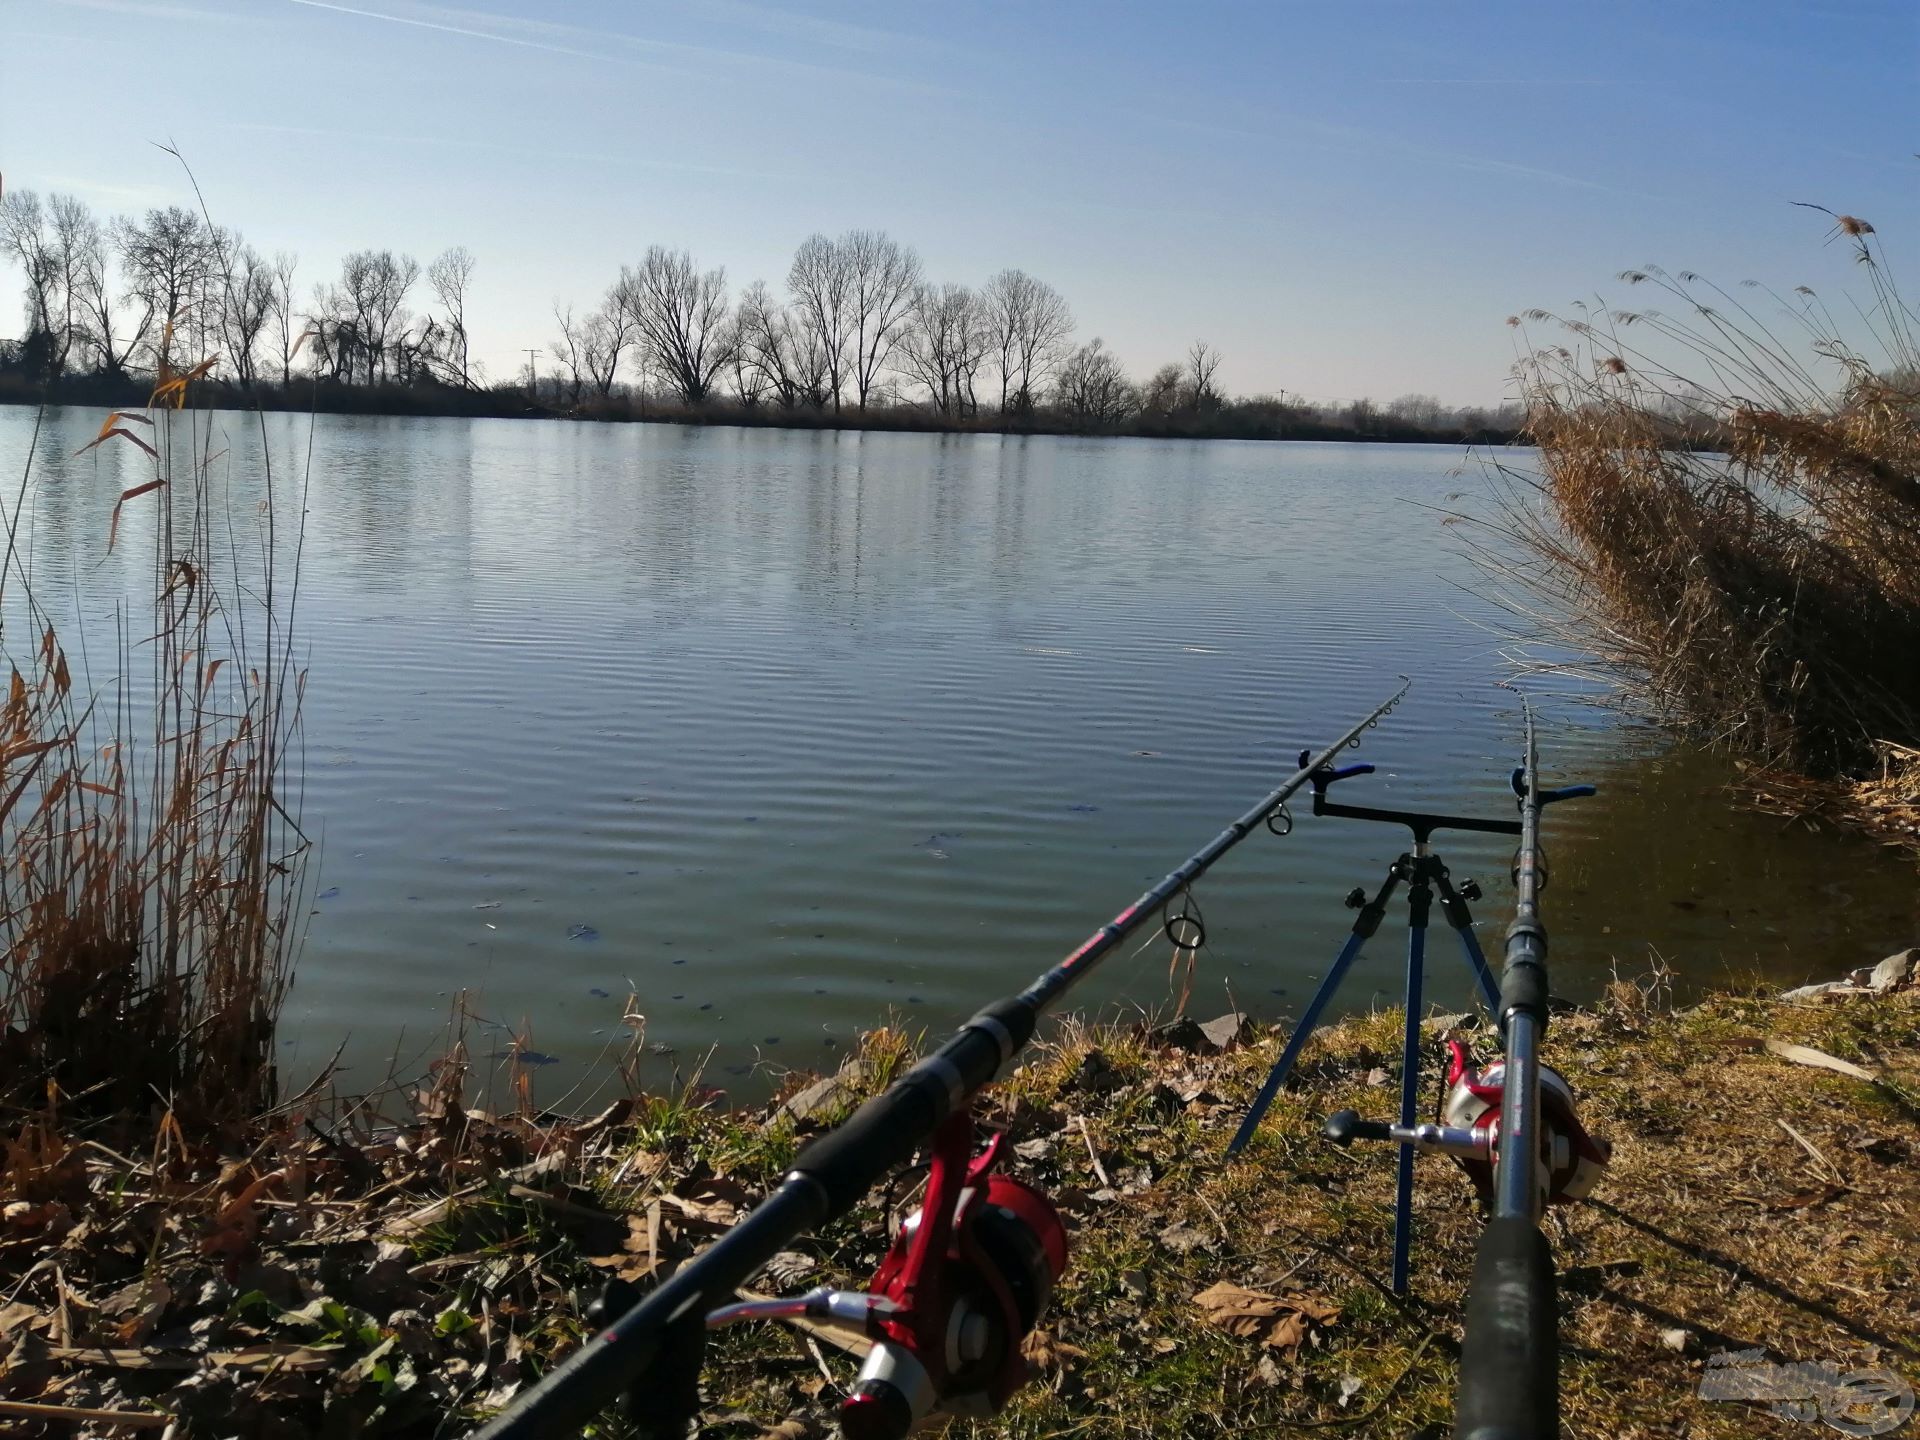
point(640, 1255)
point(1819, 1059)
point(1182, 1238)
point(1047, 1354)
point(1278, 1322)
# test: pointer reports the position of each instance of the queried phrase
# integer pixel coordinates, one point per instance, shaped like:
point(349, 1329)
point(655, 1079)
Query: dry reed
point(151, 859)
point(1726, 516)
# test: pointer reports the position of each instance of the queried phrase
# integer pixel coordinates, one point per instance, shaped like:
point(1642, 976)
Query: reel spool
point(1571, 1159)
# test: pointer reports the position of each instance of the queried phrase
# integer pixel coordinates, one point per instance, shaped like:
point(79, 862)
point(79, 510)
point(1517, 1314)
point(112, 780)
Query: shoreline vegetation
point(860, 338)
point(399, 1263)
point(1239, 419)
point(1761, 590)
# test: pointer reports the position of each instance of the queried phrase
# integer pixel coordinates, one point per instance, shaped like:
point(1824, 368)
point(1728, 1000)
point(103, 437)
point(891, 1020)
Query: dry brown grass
point(153, 871)
point(1726, 514)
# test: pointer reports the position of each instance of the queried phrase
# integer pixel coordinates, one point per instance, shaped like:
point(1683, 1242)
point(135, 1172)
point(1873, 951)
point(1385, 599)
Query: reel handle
point(1326, 775)
point(1550, 797)
point(1343, 1127)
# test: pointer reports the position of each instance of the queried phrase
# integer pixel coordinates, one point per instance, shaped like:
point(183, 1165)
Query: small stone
point(1896, 972)
point(1134, 1283)
point(1676, 1340)
point(1096, 1075)
point(1182, 1238)
point(1227, 1031)
point(1183, 1034)
point(1818, 992)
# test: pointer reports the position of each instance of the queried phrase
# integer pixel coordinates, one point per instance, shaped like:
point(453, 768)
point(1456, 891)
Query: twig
point(1813, 1150)
point(1092, 1154)
point(76, 1414)
point(820, 1360)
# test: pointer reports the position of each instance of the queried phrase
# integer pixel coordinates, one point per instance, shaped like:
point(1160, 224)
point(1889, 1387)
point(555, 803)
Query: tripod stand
point(1423, 873)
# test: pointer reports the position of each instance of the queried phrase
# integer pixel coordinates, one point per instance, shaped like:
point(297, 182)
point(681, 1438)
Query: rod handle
point(1509, 1376)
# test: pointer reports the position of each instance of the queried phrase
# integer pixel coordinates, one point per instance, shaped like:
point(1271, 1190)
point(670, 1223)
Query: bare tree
point(394, 276)
point(947, 338)
point(1093, 391)
point(166, 257)
point(610, 334)
point(1030, 325)
point(680, 316)
point(242, 303)
point(1162, 394)
point(1424, 411)
point(569, 352)
point(822, 307)
point(882, 278)
point(100, 306)
point(287, 325)
point(782, 348)
point(372, 296)
point(1202, 361)
point(450, 277)
point(50, 244)
point(336, 331)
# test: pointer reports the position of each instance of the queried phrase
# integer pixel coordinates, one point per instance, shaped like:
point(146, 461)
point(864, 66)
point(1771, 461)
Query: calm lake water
point(786, 731)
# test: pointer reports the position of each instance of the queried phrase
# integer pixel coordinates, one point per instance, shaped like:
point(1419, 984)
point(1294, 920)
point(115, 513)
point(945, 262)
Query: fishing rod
point(1509, 1355)
point(967, 1276)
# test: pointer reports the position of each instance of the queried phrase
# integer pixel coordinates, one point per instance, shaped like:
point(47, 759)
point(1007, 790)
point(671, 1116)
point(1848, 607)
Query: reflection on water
point(788, 730)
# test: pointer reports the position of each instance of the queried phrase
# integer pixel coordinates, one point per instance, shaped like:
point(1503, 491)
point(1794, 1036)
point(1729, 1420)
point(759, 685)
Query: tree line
point(858, 331)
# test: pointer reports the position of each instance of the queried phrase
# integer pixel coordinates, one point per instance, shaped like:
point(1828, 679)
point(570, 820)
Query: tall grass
point(151, 860)
point(1726, 511)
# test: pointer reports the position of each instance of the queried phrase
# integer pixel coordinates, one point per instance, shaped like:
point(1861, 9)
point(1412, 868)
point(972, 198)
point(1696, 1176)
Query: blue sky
point(1345, 198)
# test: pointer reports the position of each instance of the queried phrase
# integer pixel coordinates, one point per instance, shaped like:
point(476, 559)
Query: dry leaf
point(1279, 1322)
point(1047, 1354)
point(1819, 1059)
point(714, 1201)
point(639, 1254)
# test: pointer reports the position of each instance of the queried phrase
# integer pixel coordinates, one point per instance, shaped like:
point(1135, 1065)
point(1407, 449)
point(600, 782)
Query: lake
point(788, 732)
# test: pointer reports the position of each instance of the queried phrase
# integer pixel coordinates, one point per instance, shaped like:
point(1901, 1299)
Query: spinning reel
point(967, 1278)
point(1570, 1159)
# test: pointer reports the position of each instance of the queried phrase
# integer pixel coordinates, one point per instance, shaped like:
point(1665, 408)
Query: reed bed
point(1726, 518)
point(152, 864)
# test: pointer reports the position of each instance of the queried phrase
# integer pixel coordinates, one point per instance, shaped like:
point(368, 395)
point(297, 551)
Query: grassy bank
point(402, 1263)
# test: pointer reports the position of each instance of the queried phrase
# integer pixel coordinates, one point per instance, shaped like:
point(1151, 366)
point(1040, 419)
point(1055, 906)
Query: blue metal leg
point(1409, 1109)
point(1309, 1017)
point(1482, 974)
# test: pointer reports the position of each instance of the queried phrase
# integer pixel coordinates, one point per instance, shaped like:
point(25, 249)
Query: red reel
point(1572, 1159)
point(971, 1271)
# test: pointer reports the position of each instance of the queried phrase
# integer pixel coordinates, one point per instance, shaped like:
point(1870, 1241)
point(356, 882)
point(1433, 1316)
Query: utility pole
point(533, 380)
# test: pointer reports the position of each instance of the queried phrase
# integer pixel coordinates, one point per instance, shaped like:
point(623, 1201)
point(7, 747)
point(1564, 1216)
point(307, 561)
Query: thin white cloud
point(470, 32)
point(150, 9)
point(1352, 136)
point(584, 42)
point(494, 147)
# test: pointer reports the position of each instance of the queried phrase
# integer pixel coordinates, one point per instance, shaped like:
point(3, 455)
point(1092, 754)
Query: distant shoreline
point(1234, 422)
